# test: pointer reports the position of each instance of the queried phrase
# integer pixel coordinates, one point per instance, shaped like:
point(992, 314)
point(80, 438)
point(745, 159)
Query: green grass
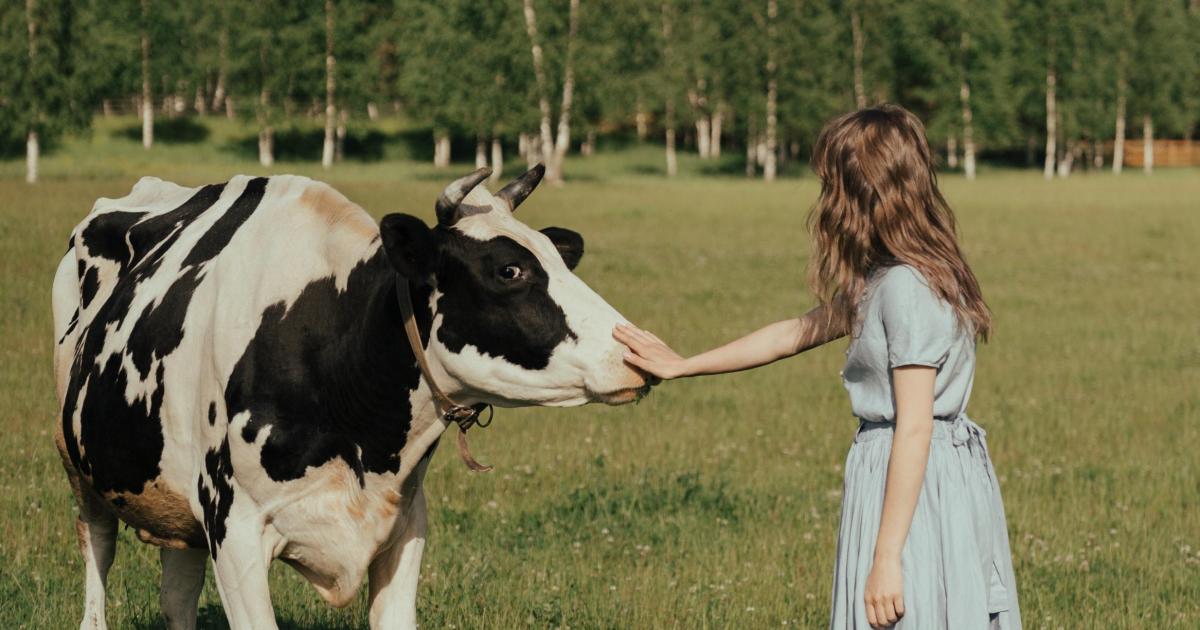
point(713, 503)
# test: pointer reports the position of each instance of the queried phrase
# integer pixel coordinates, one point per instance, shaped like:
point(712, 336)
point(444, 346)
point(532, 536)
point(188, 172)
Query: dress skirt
point(956, 561)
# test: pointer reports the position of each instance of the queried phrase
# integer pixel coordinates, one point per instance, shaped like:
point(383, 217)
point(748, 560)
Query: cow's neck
point(375, 380)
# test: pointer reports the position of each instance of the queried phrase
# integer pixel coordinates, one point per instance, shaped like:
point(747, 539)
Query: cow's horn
point(452, 197)
point(516, 192)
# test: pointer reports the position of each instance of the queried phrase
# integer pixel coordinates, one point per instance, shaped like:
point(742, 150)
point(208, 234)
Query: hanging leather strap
point(462, 415)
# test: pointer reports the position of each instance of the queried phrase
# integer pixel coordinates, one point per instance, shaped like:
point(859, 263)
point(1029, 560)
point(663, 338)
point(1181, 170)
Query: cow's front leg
point(236, 540)
point(394, 573)
point(240, 566)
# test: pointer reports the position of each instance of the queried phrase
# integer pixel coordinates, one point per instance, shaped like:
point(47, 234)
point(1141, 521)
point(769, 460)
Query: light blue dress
point(956, 561)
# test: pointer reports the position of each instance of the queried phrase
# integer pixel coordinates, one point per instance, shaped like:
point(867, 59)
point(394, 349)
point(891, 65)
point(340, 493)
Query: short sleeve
point(920, 327)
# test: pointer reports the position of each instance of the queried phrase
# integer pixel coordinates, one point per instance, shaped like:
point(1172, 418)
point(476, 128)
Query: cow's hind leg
point(96, 529)
point(182, 581)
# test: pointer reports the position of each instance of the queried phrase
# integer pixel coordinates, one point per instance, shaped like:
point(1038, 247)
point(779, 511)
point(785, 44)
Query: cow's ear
point(409, 245)
point(569, 244)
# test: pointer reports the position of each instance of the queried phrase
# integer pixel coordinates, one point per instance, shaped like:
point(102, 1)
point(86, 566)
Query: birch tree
point(672, 76)
point(327, 149)
point(44, 93)
point(772, 93)
point(147, 103)
point(553, 149)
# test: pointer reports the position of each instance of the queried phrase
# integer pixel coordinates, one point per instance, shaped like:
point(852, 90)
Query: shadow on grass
point(212, 617)
point(293, 144)
point(182, 130)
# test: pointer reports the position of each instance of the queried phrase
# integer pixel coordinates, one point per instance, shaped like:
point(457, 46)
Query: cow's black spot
point(212, 414)
point(221, 232)
point(152, 238)
point(216, 503)
point(89, 283)
point(104, 236)
point(515, 321)
point(331, 375)
point(70, 326)
point(160, 329)
point(122, 440)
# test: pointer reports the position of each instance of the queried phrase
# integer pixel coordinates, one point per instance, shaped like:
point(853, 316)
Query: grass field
point(713, 503)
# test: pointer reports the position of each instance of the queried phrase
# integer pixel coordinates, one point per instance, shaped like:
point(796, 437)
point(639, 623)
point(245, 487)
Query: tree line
point(1062, 83)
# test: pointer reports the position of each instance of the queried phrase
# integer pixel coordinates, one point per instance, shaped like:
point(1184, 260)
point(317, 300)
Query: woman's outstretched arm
point(768, 344)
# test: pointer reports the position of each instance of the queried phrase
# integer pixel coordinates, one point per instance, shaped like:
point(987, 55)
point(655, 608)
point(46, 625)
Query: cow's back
point(154, 301)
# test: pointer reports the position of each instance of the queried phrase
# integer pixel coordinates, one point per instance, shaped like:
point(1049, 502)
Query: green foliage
point(44, 87)
point(464, 67)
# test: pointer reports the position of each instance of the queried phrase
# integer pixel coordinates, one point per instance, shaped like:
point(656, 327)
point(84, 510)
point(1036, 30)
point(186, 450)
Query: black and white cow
point(235, 381)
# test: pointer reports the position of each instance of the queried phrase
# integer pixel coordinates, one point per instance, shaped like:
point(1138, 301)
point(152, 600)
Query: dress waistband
point(960, 430)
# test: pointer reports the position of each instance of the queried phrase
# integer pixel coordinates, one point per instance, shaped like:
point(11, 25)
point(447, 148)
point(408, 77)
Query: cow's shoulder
point(326, 204)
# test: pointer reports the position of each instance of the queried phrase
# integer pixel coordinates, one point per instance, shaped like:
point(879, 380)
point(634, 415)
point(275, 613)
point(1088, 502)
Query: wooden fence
point(1166, 153)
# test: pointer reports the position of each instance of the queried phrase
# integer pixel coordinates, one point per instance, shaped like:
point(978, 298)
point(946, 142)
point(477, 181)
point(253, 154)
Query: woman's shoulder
point(902, 280)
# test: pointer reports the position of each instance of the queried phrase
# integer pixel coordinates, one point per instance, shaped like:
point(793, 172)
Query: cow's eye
point(509, 272)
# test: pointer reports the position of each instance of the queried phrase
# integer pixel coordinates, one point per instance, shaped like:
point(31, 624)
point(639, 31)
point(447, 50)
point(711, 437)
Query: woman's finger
point(898, 604)
point(871, 614)
point(881, 614)
point(626, 337)
point(889, 612)
point(635, 360)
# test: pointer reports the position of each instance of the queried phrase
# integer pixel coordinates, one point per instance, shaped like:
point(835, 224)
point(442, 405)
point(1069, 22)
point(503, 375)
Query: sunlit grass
point(714, 502)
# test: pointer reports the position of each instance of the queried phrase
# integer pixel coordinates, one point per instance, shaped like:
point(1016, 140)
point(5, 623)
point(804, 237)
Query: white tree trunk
point(588, 146)
point(772, 93)
point(642, 120)
point(32, 149)
point(222, 64)
point(266, 146)
point(372, 111)
point(481, 156)
point(968, 131)
point(147, 96)
point(672, 165)
point(952, 151)
point(1118, 161)
point(32, 153)
point(856, 33)
point(547, 138)
point(266, 135)
point(339, 150)
point(714, 143)
point(441, 150)
point(1067, 160)
point(1147, 145)
point(1051, 124)
point(229, 113)
point(751, 150)
point(497, 160)
point(327, 150)
point(704, 137)
point(563, 141)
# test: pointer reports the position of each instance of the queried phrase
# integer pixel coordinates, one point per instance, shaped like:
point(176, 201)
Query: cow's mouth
point(622, 396)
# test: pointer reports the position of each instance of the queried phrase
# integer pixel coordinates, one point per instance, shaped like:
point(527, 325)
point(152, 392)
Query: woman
point(923, 541)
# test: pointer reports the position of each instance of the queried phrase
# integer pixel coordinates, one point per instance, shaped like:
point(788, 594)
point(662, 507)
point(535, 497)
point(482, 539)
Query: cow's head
point(511, 323)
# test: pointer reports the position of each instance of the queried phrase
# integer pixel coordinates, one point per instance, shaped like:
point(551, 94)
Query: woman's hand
point(884, 593)
point(650, 353)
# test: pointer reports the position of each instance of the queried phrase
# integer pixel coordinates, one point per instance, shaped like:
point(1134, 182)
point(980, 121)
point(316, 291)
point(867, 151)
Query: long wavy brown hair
point(880, 206)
